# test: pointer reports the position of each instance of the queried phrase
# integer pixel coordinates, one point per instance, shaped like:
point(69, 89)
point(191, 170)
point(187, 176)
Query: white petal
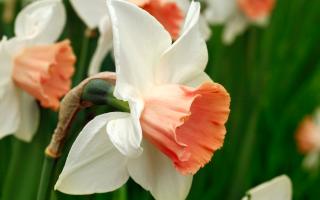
point(219, 11)
point(262, 21)
point(311, 161)
point(103, 47)
point(42, 21)
point(30, 114)
point(5, 61)
point(279, 188)
point(234, 27)
point(93, 165)
point(90, 11)
point(188, 56)
point(156, 173)
point(124, 136)
point(198, 80)
point(205, 28)
point(183, 4)
point(9, 108)
point(139, 40)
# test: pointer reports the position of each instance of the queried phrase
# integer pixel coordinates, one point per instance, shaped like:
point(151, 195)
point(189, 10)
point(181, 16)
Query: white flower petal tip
point(90, 11)
point(42, 21)
point(94, 165)
point(279, 188)
point(174, 67)
point(150, 41)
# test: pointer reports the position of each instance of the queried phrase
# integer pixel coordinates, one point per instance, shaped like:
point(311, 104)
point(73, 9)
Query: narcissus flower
point(308, 140)
point(237, 15)
point(177, 118)
point(33, 68)
point(170, 13)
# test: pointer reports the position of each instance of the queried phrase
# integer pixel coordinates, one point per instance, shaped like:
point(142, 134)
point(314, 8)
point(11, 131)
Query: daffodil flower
point(279, 188)
point(177, 113)
point(237, 15)
point(169, 13)
point(308, 141)
point(32, 67)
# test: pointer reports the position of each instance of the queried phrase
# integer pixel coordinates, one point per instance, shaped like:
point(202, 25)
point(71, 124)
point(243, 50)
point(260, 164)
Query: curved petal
point(90, 11)
point(103, 47)
point(9, 106)
point(42, 21)
point(181, 63)
point(279, 188)
point(155, 172)
point(93, 165)
point(139, 40)
point(234, 27)
point(30, 115)
point(124, 136)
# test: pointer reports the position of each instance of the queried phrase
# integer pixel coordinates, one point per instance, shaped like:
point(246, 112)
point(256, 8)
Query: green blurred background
point(273, 76)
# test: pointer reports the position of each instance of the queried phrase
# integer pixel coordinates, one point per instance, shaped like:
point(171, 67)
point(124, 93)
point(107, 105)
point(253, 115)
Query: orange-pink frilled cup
point(256, 9)
point(308, 136)
point(45, 72)
point(186, 124)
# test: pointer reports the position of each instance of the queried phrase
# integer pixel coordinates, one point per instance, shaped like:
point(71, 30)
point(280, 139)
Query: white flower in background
point(279, 188)
point(237, 15)
point(177, 112)
point(169, 13)
point(308, 141)
point(33, 67)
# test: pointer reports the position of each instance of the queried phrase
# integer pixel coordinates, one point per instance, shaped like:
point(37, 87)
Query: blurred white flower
point(237, 15)
point(158, 144)
point(30, 63)
point(308, 141)
point(279, 188)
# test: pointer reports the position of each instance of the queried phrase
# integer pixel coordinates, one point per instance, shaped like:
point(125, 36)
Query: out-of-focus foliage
point(273, 76)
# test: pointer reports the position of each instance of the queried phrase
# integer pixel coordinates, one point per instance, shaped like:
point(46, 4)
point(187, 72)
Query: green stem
point(121, 194)
point(81, 70)
point(100, 92)
point(121, 105)
point(45, 180)
point(244, 159)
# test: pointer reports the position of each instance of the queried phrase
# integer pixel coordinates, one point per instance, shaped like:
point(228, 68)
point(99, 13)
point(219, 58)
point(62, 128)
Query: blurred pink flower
point(256, 9)
point(238, 15)
point(308, 136)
